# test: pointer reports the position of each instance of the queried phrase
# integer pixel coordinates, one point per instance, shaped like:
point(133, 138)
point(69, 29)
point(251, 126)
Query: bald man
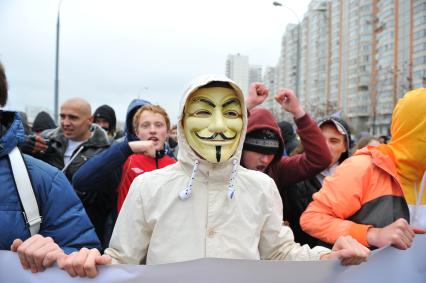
point(69, 146)
point(76, 119)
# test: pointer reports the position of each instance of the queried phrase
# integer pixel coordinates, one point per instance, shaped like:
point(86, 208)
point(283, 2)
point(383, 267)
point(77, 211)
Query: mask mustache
point(212, 137)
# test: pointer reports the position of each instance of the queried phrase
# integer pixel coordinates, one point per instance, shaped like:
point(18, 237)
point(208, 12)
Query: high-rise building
point(401, 54)
point(237, 69)
point(286, 69)
point(350, 55)
point(357, 58)
point(312, 64)
point(287, 66)
point(269, 79)
point(255, 73)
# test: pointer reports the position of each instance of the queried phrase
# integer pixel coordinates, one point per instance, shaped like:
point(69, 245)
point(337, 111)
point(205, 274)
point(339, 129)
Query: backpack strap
point(25, 191)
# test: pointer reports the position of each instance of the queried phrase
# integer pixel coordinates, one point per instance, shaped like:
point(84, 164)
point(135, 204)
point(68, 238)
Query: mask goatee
point(218, 152)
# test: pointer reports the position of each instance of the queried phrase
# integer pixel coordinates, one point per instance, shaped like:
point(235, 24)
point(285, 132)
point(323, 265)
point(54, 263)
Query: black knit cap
point(107, 113)
point(263, 141)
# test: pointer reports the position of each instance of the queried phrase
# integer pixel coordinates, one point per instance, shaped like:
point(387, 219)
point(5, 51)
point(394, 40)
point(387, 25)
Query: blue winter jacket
point(63, 216)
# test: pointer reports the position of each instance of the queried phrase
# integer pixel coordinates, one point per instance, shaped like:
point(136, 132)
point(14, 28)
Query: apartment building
point(356, 58)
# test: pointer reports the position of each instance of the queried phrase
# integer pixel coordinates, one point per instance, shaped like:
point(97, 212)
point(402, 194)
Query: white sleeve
point(132, 234)
point(277, 240)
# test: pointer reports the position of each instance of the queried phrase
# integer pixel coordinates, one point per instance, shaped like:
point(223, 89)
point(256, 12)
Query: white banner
point(386, 265)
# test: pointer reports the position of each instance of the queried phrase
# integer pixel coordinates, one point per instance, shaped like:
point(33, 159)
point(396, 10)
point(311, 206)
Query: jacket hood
point(11, 131)
point(262, 118)
point(408, 142)
point(43, 121)
point(131, 110)
point(186, 154)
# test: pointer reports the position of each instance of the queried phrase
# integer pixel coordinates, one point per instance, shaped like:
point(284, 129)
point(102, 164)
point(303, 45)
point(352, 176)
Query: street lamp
point(55, 106)
point(298, 56)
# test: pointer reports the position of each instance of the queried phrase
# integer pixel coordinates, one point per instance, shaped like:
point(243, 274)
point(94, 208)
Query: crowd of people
point(227, 181)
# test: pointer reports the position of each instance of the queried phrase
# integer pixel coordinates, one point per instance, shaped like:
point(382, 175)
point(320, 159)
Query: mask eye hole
point(231, 114)
point(201, 113)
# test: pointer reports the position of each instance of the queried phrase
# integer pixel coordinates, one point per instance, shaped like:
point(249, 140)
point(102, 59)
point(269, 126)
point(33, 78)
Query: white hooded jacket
point(157, 226)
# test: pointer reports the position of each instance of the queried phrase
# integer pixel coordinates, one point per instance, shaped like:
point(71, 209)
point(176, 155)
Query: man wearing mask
point(211, 205)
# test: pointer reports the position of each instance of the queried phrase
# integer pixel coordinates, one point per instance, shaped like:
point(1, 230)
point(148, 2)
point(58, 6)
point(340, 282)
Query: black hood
point(43, 121)
point(106, 112)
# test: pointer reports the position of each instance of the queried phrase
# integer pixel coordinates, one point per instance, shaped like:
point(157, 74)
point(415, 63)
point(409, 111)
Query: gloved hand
point(34, 144)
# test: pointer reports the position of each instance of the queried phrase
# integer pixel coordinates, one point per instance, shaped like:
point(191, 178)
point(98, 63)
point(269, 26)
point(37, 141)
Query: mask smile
point(214, 138)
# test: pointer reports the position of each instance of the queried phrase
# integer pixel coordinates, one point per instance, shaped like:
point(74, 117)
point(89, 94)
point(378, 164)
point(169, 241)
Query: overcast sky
point(112, 51)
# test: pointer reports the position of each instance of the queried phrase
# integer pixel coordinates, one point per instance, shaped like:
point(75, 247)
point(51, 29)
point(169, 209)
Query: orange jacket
point(364, 191)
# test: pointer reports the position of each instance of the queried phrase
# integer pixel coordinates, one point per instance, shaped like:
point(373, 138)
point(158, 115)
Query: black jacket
point(298, 198)
point(54, 155)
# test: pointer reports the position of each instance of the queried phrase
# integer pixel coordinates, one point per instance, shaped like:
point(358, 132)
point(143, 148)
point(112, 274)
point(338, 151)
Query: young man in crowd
point(104, 116)
point(337, 135)
point(211, 205)
point(102, 173)
point(264, 145)
point(151, 124)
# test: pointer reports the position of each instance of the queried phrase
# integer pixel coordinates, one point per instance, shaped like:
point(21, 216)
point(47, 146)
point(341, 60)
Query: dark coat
point(299, 196)
point(54, 155)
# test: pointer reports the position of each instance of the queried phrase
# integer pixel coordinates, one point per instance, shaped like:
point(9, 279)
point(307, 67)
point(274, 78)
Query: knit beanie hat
point(263, 141)
point(107, 113)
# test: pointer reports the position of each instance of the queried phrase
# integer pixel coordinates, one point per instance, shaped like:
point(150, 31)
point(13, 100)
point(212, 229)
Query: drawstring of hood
point(231, 187)
point(72, 159)
point(419, 198)
point(186, 194)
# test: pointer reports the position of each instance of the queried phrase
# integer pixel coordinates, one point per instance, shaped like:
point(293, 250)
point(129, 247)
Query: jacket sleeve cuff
point(359, 232)
point(125, 149)
point(304, 121)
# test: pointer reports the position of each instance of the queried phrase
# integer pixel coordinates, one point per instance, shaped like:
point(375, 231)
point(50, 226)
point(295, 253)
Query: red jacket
point(136, 165)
